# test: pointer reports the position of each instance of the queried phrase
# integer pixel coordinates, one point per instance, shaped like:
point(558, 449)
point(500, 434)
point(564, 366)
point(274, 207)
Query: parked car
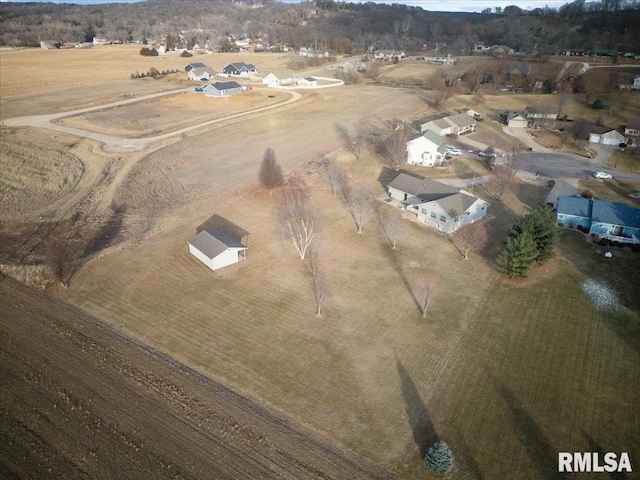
point(453, 151)
point(488, 154)
point(603, 175)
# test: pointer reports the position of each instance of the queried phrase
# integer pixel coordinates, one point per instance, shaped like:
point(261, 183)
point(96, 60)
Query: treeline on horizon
point(338, 27)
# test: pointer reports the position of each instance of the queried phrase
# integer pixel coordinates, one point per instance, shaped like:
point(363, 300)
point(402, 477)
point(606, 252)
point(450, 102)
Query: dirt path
point(82, 399)
point(118, 144)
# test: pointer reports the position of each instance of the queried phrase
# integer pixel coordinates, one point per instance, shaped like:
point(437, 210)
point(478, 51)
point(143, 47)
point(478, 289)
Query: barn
point(217, 249)
point(222, 89)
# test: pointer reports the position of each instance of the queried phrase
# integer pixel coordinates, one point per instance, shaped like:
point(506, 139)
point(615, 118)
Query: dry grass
point(628, 160)
point(35, 172)
point(613, 190)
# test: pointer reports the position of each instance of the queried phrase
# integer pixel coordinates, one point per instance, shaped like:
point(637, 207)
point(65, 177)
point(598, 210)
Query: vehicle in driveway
point(488, 154)
point(453, 151)
point(603, 175)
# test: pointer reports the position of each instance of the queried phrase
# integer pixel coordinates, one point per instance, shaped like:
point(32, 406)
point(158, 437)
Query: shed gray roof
point(424, 188)
point(220, 86)
point(433, 137)
point(462, 120)
point(214, 243)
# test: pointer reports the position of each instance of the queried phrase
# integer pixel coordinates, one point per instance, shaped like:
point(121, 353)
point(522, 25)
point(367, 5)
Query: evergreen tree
point(518, 256)
point(540, 225)
point(270, 175)
point(439, 459)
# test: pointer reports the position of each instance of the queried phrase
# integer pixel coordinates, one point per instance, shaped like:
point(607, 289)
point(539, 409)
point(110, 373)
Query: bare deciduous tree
point(270, 175)
point(394, 227)
point(357, 141)
point(506, 172)
point(298, 221)
point(471, 236)
point(337, 178)
point(318, 281)
point(360, 204)
point(394, 148)
point(61, 262)
point(426, 292)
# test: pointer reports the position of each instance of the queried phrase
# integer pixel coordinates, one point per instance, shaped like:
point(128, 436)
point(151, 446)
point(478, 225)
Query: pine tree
point(439, 459)
point(540, 225)
point(518, 256)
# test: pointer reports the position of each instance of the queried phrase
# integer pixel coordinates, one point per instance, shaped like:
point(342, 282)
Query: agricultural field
point(507, 372)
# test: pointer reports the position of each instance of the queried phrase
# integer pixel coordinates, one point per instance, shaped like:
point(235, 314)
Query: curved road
point(128, 144)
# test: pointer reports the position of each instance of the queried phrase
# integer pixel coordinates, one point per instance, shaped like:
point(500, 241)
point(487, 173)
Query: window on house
point(456, 219)
point(433, 215)
point(424, 211)
point(443, 218)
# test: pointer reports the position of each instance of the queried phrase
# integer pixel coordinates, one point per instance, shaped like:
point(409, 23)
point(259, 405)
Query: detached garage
point(217, 249)
point(606, 136)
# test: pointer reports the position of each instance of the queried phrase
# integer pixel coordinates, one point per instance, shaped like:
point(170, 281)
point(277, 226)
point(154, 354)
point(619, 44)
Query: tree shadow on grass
point(540, 451)
point(424, 433)
point(595, 447)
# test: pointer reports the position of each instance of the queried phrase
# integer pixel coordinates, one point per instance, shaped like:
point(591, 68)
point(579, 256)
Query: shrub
point(551, 183)
point(133, 75)
point(148, 52)
point(439, 459)
point(186, 54)
point(587, 193)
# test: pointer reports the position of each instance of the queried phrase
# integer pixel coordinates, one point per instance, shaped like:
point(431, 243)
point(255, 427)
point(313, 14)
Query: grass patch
point(561, 141)
point(613, 190)
point(629, 160)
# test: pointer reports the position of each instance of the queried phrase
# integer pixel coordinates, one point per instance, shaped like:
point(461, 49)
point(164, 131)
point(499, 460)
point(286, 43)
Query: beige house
point(457, 124)
point(426, 149)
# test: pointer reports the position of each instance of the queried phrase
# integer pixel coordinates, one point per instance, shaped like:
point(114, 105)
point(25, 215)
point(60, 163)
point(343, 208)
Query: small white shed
point(217, 249)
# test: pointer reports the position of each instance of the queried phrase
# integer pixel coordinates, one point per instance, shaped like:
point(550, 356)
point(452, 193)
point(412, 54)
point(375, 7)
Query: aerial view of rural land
point(260, 239)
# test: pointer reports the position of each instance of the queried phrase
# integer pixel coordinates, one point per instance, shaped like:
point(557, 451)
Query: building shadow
point(424, 433)
point(542, 454)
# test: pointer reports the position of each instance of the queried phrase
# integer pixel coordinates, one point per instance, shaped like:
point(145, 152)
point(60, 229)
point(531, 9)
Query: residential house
point(271, 80)
point(636, 83)
point(100, 41)
point(353, 66)
point(515, 120)
point(217, 249)
point(447, 59)
point(603, 220)
point(240, 68)
point(632, 132)
point(190, 66)
point(307, 82)
point(478, 49)
point(605, 136)
point(49, 44)
point(201, 73)
point(541, 112)
point(471, 113)
point(501, 51)
point(426, 149)
point(520, 70)
point(437, 205)
point(389, 55)
point(312, 53)
point(222, 89)
point(456, 124)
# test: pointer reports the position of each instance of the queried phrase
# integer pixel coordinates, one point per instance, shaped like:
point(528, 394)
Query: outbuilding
point(222, 89)
point(217, 249)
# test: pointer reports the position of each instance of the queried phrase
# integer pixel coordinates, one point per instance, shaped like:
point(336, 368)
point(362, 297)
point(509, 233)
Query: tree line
point(338, 27)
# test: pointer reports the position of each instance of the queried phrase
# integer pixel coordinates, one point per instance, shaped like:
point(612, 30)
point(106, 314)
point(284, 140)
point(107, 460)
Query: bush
point(148, 52)
point(551, 183)
point(587, 193)
point(186, 54)
point(133, 75)
point(439, 459)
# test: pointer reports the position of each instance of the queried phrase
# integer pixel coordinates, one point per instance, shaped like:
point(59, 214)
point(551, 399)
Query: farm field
point(508, 373)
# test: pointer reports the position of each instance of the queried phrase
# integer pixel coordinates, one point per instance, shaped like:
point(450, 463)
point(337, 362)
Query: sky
point(432, 5)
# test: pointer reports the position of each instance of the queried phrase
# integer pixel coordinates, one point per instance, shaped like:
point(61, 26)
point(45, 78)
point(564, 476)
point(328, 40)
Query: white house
point(201, 73)
point(311, 53)
point(437, 205)
point(389, 55)
point(606, 136)
point(636, 83)
point(222, 89)
point(447, 59)
point(217, 249)
point(271, 79)
point(307, 82)
point(427, 149)
point(353, 66)
point(439, 126)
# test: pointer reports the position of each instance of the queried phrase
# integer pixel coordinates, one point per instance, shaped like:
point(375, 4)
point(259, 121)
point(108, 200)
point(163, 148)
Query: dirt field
point(507, 373)
point(79, 400)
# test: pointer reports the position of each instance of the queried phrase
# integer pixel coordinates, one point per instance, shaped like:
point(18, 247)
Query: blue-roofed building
point(604, 220)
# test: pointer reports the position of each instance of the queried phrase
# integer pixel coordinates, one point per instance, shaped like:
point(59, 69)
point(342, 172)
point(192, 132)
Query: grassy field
point(613, 190)
point(372, 372)
point(627, 160)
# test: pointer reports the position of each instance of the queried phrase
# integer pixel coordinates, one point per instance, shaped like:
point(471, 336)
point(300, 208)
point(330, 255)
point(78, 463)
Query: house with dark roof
point(190, 66)
point(501, 51)
point(240, 68)
point(520, 70)
point(605, 136)
point(426, 149)
point(217, 249)
point(222, 89)
point(603, 220)
point(436, 204)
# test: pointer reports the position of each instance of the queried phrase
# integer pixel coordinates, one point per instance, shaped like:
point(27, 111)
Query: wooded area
point(336, 27)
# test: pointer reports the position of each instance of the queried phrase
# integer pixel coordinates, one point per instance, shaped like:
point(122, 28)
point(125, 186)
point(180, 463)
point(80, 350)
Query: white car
point(488, 154)
point(453, 151)
point(603, 175)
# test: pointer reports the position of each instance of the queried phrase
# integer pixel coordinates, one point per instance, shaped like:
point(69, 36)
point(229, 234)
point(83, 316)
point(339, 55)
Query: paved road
point(127, 144)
